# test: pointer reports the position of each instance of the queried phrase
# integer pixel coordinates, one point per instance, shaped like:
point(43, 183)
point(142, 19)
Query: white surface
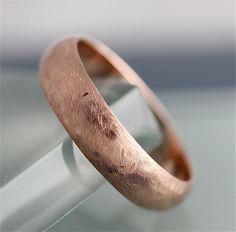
point(166, 26)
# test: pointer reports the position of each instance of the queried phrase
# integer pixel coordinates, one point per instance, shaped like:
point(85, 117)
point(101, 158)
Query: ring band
point(66, 73)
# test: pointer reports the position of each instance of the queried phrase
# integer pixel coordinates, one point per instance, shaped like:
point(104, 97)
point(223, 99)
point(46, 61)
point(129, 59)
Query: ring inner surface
point(139, 119)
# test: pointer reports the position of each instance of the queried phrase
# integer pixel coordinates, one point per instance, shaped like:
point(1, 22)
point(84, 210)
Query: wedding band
point(158, 180)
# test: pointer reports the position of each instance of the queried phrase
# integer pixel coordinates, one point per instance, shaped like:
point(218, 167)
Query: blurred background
point(170, 43)
point(185, 51)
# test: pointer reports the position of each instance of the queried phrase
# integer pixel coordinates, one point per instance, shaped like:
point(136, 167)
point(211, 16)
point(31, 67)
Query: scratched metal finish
point(66, 71)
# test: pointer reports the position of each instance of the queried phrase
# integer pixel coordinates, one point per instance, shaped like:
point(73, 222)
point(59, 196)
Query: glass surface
point(52, 183)
point(204, 119)
point(132, 111)
point(29, 128)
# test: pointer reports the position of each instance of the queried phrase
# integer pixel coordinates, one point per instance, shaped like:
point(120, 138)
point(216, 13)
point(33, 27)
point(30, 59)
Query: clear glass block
point(44, 175)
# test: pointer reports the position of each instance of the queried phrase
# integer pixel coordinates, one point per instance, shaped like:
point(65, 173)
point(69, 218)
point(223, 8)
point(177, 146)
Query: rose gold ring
point(158, 180)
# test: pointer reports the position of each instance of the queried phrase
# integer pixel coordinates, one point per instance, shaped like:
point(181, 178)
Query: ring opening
point(112, 85)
